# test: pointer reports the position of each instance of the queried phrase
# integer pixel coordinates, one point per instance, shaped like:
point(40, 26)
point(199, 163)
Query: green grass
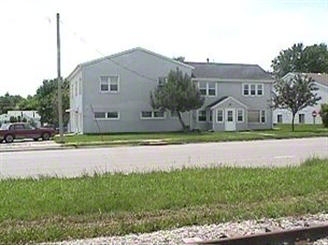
point(51, 209)
point(279, 132)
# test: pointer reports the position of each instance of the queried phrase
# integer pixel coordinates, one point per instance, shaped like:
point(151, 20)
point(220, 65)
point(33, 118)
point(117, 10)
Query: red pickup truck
point(19, 130)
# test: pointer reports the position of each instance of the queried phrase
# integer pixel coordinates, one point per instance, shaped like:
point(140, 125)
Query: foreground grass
point(279, 132)
point(51, 209)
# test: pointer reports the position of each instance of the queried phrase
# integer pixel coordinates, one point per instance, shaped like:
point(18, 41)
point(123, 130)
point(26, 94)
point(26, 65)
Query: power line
point(84, 41)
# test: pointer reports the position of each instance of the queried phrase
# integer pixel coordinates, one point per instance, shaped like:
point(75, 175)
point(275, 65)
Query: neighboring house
point(20, 115)
point(304, 116)
point(112, 94)
point(237, 97)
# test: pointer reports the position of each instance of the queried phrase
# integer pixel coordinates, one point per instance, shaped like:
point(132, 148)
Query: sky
point(225, 31)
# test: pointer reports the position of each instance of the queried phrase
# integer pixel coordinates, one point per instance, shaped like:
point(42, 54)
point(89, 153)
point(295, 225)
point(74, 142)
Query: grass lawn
point(52, 209)
point(279, 132)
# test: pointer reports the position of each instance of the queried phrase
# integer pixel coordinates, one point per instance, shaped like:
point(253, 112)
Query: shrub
point(324, 114)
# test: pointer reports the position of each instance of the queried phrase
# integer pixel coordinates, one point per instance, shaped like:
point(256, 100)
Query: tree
point(315, 59)
point(310, 59)
point(9, 102)
point(179, 94)
point(324, 114)
point(294, 94)
point(47, 106)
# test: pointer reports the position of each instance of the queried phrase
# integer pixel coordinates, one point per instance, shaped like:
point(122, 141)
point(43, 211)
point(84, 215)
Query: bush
point(324, 114)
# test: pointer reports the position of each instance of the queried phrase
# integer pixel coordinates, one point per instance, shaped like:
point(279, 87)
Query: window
point(201, 115)
point(113, 115)
point(220, 115)
point(146, 114)
point(262, 116)
point(253, 89)
point(109, 83)
point(240, 115)
point(207, 88)
point(100, 115)
point(301, 118)
point(158, 114)
point(279, 118)
point(260, 90)
point(113, 83)
point(211, 88)
point(202, 88)
point(162, 81)
point(256, 116)
point(152, 114)
point(211, 116)
point(103, 83)
point(230, 116)
point(246, 89)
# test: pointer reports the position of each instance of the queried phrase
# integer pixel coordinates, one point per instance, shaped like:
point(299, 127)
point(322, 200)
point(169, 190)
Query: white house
point(29, 115)
point(305, 116)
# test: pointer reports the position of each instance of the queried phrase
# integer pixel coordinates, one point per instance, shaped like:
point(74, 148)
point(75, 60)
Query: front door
point(230, 119)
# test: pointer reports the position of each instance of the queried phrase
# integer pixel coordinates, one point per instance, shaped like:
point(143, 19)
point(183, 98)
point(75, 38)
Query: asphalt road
point(76, 162)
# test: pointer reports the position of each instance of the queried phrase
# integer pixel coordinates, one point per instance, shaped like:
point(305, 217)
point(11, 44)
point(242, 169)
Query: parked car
point(19, 130)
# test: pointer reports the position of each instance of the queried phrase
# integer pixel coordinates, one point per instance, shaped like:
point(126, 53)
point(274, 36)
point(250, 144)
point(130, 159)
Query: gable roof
point(228, 71)
point(110, 57)
point(321, 78)
point(222, 100)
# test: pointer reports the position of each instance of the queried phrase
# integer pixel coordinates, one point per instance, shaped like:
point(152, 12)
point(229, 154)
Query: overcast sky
point(228, 31)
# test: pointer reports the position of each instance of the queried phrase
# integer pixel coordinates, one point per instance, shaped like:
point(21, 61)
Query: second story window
point(252, 89)
point(162, 81)
point(207, 88)
point(109, 83)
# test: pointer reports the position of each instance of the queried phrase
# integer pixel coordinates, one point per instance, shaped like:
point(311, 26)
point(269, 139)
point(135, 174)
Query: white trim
point(230, 125)
point(109, 83)
point(250, 84)
point(131, 51)
point(217, 113)
point(152, 115)
point(198, 121)
point(106, 115)
point(228, 98)
point(243, 115)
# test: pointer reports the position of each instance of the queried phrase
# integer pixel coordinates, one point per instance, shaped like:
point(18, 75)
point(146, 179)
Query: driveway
point(76, 162)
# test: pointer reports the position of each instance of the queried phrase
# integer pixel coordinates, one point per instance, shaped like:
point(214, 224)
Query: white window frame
point(198, 114)
point(249, 90)
point(261, 114)
point(242, 115)
point(207, 88)
point(153, 117)
point(109, 84)
point(106, 115)
point(217, 114)
point(202, 88)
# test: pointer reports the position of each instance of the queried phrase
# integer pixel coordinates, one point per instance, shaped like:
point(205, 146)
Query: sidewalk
point(29, 145)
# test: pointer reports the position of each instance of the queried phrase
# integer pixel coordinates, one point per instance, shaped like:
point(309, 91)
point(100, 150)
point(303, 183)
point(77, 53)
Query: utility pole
point(59, 85)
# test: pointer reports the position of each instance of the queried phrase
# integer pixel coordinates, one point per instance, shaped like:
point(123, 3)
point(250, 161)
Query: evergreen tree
point(179, 94)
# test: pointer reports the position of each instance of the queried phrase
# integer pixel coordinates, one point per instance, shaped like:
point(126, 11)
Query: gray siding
point(234, 89)
point(133, 96)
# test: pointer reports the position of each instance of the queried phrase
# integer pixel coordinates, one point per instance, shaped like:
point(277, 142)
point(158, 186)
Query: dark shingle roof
point(216, 102)
point(228, 71)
